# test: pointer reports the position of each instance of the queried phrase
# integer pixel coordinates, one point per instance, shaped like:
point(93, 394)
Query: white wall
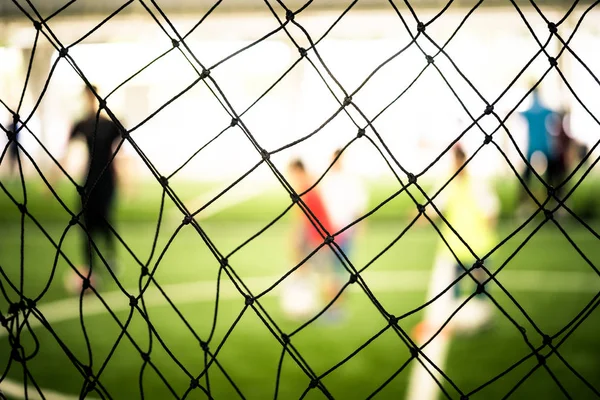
point(416, 128)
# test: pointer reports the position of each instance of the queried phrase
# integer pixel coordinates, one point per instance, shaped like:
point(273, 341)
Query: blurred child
point(346, 201)
point(13, 149)
point(308, 233)
point(470, 208)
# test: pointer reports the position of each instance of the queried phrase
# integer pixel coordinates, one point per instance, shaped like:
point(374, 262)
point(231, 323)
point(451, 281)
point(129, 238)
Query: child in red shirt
point(305, 292)
point(315, 223)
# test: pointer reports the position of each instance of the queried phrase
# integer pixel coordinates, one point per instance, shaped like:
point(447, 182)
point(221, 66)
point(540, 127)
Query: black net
point(22, 308)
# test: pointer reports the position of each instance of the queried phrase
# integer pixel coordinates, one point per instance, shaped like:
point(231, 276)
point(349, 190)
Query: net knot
point(551, 191)
point(249, 300)
point(145, 357)
point(489, 109)
point(285, 338)
point(133, 301)
point(87, 370)
point(13, 308)
point(145, 271)
point(37, 25)
point(289, 15)
point(420, 208)
point(412, 179)
point(194, 383)
point(429, 59)
point(22, 208)
point(164, 182)
point(548, 214)
point(205, 73)
point(552, 61)
point(74, 220)
point(329, 239)
point(124, 134)
point(464, 397)
point(361, 133)
point(15, 355)
point(552, 28)
point(347, 101)
point(203, 345)
point(420, 27)
point(102, 103)
point(30, 303)
point(414, 352)
point(86, 283)
point(487, 139)
point(91, 385)
point(547, 340)
point(295, 197)
point(234, 122)
point(265, 154)
point(224, 262)
point(175, 43)
point(541, 359)
point(187, 219)
point(313, 383)
point(302, 51)
point(63, 52)
point(480, 288)
point(353, 278)
point(393, 320)
point(478, 264)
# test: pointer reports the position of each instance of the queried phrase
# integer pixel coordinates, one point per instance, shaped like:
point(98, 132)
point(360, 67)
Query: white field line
point(15, 390)
point(421, 386)
point(378, 281)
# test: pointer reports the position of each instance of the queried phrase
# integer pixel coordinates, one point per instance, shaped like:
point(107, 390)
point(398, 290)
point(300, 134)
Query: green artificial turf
point(250, 354)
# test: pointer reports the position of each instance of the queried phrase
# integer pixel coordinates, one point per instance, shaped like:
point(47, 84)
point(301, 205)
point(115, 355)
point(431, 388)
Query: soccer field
point(547, 278)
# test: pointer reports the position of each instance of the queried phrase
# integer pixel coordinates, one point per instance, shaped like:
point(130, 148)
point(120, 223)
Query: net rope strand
point(16, 320)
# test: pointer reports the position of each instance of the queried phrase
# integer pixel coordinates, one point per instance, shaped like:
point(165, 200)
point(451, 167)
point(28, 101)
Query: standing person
point(14, 129)
point(308, 233)
point(470, 208)
point(101, 137)
point(561, 149)
point(346, 201)
point(538, 118)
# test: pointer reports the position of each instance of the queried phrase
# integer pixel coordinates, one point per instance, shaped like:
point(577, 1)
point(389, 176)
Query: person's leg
point(338, 275)
point(102, 205)
point(341, 274)
point(561, 174)
point(13, 159)
point(458, 271)
point(88, 251)
point(526, 177)
point(481, 276)
point(523, 197)
point(89, 227)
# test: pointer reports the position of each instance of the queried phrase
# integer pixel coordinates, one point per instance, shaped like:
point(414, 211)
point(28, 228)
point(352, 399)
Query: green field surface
point(548, 278)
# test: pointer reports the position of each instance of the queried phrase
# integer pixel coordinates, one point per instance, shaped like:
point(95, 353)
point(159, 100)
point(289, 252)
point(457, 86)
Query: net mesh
point(21, 310)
